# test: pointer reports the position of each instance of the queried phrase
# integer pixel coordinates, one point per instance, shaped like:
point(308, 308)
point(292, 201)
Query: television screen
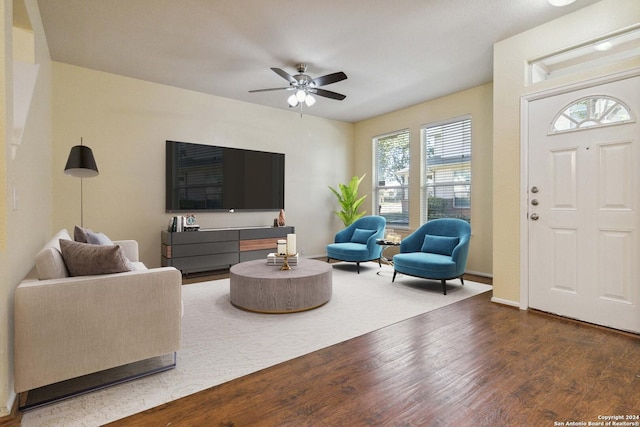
point(210, 178)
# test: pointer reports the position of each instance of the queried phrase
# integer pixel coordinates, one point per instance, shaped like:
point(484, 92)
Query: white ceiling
point(395, 53)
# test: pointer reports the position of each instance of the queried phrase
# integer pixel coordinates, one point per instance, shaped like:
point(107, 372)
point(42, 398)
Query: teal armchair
point(437, 250)
point(357, 242)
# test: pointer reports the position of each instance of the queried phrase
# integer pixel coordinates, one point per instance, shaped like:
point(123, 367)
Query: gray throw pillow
point(80, 234)
point(86, 235)
point(85, 259)
point(98, 239)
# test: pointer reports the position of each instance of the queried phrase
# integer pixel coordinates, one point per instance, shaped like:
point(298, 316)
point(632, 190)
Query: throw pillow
point(80, 234)
point(98, 239)
point(85, 259)
point(86, 235)
point(442, 245)
point(361, 235)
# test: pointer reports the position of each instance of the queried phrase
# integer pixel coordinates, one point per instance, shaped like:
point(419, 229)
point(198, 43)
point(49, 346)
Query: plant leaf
point(347, 196)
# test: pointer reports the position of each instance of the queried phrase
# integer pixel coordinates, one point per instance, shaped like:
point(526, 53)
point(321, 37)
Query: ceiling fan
point(305, 87)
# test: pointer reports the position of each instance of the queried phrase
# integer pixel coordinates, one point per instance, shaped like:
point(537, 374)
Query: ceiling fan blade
point(329, 78)
point(288, 77)
point(271, 89)
point(328, 94)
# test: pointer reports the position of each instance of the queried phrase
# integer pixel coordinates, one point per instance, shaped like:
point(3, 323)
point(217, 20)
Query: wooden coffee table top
point(260, 269)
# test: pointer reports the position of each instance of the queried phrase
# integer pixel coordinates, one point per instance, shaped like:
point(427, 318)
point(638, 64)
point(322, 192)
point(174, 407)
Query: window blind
point(447, 169)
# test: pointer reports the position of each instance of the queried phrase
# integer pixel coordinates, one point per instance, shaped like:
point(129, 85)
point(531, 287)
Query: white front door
point(584, 210)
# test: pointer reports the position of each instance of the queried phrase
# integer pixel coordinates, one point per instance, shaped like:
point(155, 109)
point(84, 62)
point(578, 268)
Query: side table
point(385, 245)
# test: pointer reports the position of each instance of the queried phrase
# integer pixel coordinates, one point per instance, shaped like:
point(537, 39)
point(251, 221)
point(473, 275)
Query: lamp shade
point(81, 163)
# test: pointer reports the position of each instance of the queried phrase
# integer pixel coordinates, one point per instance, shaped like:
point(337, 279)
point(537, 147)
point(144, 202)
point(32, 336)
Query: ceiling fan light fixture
point(309, 100)
point(293, 100)
point(304, 86)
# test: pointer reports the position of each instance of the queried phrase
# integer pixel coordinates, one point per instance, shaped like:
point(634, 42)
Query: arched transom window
point(591, 111)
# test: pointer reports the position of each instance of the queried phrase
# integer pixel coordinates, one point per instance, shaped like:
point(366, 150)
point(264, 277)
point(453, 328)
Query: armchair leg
point(462, 280)
point(328, 259)
point(444, 286)
point(380, 262)
point(394, 276)
point(358, 267)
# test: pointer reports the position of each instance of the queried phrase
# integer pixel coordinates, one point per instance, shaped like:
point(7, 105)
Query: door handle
point(534, 217)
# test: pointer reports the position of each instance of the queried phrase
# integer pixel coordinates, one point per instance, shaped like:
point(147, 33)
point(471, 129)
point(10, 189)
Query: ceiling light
point(559, 3)
point(309, 100)
point(292, 100)
point(301, 95)
point(606, 45)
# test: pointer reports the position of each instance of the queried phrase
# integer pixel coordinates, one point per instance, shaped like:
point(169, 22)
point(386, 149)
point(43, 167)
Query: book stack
point(272, 259)
point(175, 224)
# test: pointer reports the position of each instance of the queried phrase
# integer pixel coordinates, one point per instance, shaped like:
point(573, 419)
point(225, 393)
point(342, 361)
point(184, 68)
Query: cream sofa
point(66, 327)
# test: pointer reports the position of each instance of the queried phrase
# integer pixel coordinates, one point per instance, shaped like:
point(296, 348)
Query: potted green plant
point(349, 201)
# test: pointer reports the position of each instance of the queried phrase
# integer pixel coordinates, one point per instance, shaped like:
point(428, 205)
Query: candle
point(291, 244)
point(282, 247)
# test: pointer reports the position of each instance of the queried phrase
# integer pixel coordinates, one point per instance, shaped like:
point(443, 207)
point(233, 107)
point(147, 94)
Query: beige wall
point(27, 226)
point(476, 102)
point(126, 122)
point(510, 59)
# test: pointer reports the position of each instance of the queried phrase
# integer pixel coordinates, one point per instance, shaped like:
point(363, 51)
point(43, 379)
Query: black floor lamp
point(81, 164)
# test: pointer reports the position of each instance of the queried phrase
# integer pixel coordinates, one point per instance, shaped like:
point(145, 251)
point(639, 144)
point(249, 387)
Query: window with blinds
point(391, 174)
point(446, 183)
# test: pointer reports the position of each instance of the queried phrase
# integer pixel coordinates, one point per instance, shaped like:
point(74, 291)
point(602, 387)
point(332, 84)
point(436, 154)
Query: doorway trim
point(525, 100)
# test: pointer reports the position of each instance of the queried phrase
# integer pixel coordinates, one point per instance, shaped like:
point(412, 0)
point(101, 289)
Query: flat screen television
point(210, 178)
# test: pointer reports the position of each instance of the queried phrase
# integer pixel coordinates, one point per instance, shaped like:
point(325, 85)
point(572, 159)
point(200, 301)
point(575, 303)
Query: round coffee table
point(256, 286)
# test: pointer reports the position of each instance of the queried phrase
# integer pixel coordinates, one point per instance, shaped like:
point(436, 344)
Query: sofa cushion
point(348, 251)
point(428, 265)
point(49, 262)
point(442, 245)
point(361, 235)
point(84, 259)
point(137, 266)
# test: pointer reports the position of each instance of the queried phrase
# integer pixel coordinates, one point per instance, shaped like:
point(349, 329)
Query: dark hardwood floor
point(471, 363)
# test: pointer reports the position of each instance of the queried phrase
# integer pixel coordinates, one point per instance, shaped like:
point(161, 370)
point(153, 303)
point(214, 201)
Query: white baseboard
point(6, 411)
point(505, 302)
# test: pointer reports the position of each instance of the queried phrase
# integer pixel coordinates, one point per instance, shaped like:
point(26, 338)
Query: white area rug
point(221, 342)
